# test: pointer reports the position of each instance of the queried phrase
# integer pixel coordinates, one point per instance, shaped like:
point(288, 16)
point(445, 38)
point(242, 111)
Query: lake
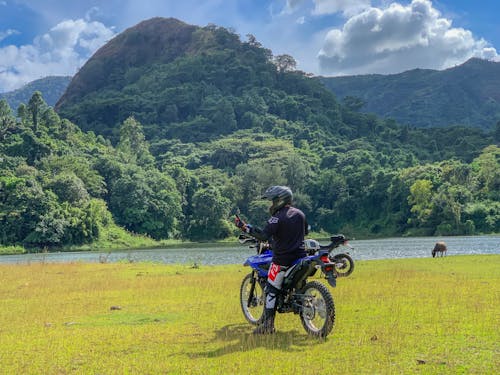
point(210, 254)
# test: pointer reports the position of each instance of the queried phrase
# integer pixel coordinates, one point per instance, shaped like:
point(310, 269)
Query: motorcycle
point(344, 264)
point(311, 300)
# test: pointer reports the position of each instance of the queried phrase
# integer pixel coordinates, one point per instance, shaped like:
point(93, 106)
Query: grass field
point(405, 316)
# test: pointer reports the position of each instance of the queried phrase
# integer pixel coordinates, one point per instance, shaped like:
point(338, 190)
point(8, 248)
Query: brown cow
point(440, 247)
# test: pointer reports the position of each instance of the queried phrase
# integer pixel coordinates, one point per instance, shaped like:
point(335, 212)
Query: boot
point(267, 325)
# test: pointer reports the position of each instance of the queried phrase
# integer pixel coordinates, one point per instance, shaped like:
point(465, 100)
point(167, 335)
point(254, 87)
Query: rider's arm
point(259, 233)
point(269, 230)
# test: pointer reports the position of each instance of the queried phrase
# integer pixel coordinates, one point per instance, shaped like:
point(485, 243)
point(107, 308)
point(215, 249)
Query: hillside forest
point(176, 148)
point(466, 94)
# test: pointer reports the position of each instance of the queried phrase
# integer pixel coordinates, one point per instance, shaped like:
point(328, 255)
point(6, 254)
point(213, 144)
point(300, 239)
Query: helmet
point(279, 195)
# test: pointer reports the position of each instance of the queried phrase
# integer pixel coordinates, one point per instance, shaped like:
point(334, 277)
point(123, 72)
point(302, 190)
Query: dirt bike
point(311, 300)
point(344, 264)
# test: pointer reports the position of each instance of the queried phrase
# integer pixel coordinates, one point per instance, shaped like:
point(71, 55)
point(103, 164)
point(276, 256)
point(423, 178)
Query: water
point(210, 254)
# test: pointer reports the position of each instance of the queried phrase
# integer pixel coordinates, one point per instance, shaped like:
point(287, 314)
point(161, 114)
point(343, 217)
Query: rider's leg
point(274, 281)
point(267, 325)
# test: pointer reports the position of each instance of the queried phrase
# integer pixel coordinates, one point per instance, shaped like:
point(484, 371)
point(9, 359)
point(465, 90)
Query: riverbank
point(111, 238)
point(216, 253)
point(112, 243)
point(114, 238)
point(434, 316)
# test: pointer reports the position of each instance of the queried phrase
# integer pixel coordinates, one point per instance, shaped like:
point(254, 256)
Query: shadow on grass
point(239, 338)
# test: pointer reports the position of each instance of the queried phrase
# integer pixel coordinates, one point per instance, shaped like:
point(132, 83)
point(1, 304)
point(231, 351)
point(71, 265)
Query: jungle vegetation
point(174, 145)
point(466, 94)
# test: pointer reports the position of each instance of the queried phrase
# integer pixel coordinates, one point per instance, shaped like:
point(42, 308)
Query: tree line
point(60, 186)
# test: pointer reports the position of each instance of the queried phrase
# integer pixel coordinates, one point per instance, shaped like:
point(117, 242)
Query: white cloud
point(322, 7)
point(347, 7)
point(292, 5)
point(61, 51)
point(7, 33)
point(399, 38)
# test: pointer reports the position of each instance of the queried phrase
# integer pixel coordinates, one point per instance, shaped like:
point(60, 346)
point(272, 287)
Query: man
point(286, 227)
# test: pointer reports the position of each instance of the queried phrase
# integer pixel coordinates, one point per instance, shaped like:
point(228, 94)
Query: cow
point(439, 248)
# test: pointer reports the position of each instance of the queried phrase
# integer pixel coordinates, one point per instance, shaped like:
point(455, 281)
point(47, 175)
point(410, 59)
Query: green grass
point(12, 250)
point(111, 237)
point(114, 237)
point(428, 316)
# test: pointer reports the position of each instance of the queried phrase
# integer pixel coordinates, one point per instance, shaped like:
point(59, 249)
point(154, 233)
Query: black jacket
point(286, 230)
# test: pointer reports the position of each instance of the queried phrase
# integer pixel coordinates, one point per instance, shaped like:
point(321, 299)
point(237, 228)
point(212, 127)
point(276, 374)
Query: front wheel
point(318, 309)
point(344, 264)
point(252, 299)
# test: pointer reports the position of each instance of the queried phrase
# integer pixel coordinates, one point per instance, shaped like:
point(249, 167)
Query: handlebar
point(310, 245)
point(245, 238)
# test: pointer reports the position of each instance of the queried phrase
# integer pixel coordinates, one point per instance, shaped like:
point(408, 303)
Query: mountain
point(467, 94)
point(191, 83)
point(51, 88)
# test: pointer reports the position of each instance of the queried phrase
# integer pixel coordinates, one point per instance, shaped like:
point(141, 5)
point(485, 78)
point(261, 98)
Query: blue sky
point(328, 37)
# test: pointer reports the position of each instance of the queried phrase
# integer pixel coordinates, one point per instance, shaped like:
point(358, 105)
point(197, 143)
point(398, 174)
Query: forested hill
point(186, 83)
point(191, 83)
point(51, 88)
point(190, 124)
point(467, 94)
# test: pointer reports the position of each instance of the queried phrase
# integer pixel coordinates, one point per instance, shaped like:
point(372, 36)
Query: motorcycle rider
point(286, 228)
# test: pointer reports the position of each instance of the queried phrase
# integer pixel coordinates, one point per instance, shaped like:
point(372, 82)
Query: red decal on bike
point(273, 271)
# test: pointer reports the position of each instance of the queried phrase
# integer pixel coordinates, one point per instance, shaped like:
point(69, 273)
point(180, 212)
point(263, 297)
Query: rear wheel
point(344, 264)
point(318, 309)
point(252, 299)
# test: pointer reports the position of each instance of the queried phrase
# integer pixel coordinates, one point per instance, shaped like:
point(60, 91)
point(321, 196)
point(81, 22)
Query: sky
point(39, 38)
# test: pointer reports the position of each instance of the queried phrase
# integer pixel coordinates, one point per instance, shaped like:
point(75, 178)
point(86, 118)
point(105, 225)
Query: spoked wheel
point(318, 309)
point(344, 264)
point(252, 299)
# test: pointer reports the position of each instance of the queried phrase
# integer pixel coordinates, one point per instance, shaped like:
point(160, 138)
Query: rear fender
point(329, 270)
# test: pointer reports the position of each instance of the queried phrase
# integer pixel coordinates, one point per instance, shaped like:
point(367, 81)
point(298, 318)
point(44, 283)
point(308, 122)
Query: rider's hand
point(239, 223)
point(242, 225)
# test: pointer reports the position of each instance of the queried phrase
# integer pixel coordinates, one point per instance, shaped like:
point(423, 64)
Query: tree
point(353, 103)
point(23, 202)
point(297, 172)
point(252, 40)
point(7, 120)
point(451, 200)
point(487, 167)
point(146, 202)
point(133, 143)
point(210, 209)
point(81, 167)
point(420, 200)
point(5, 110)
point(69, 188)
point(285, 63)
point(49, 230)
point(223, 116)
point(253, 178)
point(36, 107)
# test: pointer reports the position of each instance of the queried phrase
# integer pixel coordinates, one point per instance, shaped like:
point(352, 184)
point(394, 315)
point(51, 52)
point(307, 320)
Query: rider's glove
point(238, 222)
point(242, 225)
